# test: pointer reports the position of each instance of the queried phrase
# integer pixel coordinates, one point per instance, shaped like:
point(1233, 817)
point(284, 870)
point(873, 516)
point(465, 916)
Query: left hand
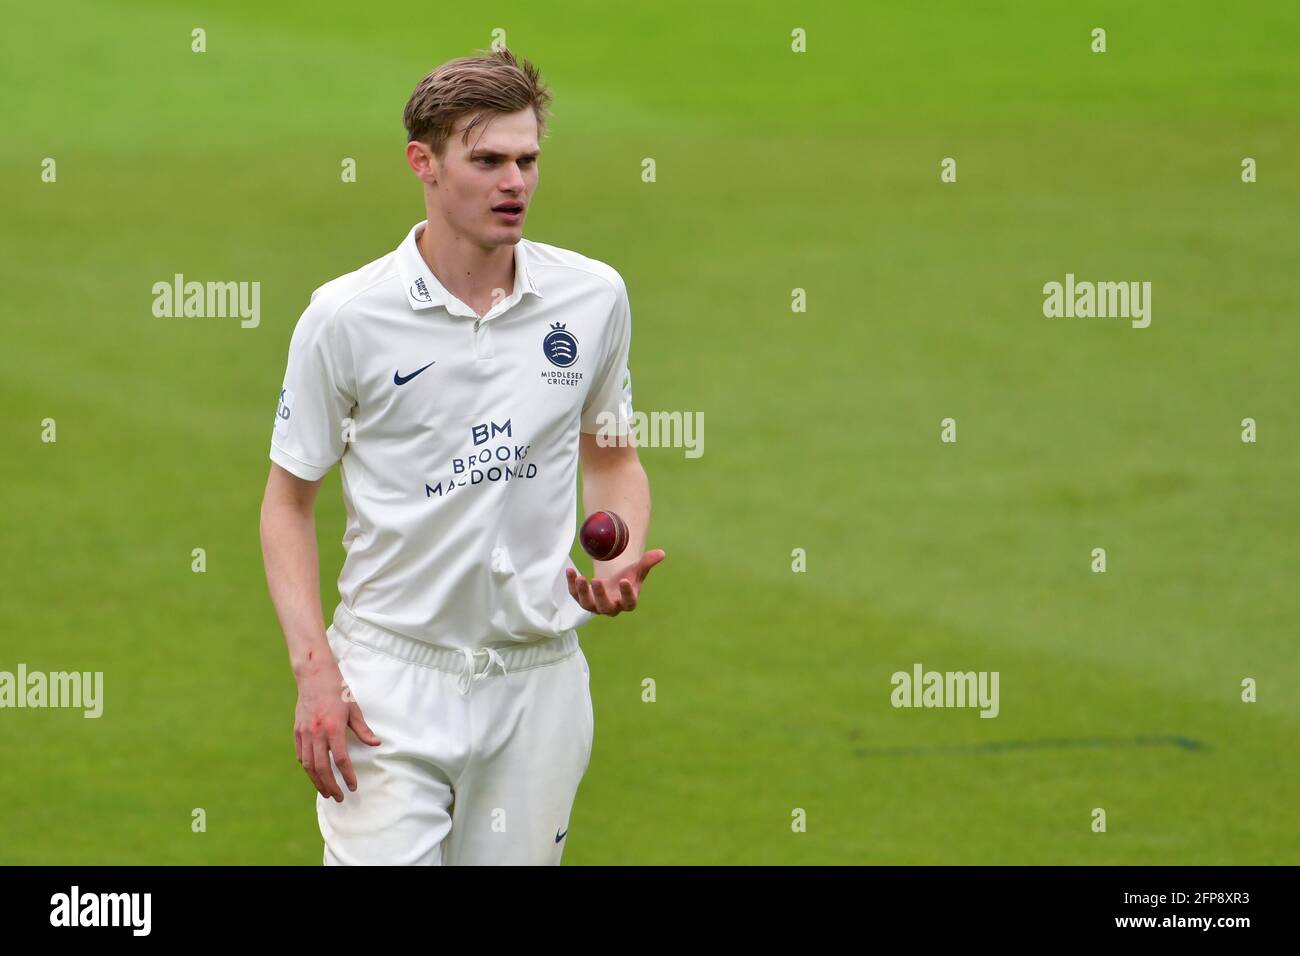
point(618, 592)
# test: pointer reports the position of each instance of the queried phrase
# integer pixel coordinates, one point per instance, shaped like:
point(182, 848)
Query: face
point(482, 189)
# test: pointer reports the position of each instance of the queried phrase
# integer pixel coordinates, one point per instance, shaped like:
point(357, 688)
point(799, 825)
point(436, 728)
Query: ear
point(422, 161)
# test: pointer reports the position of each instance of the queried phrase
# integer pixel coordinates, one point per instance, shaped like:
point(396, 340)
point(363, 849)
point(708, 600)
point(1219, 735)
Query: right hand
point(325, 711)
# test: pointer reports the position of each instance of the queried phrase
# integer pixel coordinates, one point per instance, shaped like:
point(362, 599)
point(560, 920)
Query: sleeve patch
point(284, 412)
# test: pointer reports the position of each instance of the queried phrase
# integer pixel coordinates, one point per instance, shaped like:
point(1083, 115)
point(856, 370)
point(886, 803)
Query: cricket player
point(459, 382)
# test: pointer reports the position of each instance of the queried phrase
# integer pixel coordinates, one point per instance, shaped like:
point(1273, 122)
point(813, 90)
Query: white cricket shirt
point(457, 437)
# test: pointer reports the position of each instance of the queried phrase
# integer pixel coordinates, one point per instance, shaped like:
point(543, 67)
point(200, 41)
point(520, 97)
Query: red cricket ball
point(604, 535)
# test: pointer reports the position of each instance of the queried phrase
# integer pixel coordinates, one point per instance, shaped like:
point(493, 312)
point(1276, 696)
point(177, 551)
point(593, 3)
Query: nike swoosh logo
point(400, 379)
point(560, 836)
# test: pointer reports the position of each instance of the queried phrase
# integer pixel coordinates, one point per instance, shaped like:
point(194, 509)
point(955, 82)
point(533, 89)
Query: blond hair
point(487, 83)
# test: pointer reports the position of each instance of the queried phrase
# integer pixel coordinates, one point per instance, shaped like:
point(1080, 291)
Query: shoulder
point(372, 284)
point(553, 264)
point(329, 324)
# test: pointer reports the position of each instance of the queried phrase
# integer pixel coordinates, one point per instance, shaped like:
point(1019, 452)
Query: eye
point(528, 161)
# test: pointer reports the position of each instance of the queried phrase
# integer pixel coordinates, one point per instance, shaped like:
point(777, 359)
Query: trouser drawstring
point(467, 676)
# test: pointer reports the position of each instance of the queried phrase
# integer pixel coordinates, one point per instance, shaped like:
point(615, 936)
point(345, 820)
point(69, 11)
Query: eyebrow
point(477, 153)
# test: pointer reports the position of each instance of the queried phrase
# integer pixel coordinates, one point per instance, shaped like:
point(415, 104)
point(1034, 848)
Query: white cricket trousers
point(481, 752)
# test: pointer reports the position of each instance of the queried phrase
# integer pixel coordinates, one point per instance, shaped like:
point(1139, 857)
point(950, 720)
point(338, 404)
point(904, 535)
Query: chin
point(500, 236)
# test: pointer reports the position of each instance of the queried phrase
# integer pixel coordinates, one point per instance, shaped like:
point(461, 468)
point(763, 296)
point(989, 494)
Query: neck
point(466, 269)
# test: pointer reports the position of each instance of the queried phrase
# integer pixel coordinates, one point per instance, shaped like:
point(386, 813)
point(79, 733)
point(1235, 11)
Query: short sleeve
point(608, 408)
point(316, 397)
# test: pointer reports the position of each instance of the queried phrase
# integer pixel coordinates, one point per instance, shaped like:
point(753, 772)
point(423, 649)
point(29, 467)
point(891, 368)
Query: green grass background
point(775, 171)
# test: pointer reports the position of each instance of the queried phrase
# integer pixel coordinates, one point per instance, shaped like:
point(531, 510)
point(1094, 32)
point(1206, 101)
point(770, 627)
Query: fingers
point(603, 604)
point(324, 774)
point(338, 744)
point(649, 560)
point(580, 588)
point(595, 597)
point(339, 749)
point(585, 596)
point(360, 727)
point(627, 595)
point(577, 584)
point(308, 760)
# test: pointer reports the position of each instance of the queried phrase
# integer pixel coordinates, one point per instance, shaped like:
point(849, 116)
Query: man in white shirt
point(458, 381)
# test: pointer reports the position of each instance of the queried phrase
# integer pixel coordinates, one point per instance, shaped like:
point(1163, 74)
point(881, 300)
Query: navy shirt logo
point(560, 347)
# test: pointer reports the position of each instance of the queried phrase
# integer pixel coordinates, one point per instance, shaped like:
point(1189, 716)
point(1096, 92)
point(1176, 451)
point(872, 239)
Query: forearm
point(293, 576)
point(624, 489)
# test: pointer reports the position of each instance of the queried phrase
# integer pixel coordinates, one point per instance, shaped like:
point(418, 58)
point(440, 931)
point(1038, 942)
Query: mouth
point(512, 211)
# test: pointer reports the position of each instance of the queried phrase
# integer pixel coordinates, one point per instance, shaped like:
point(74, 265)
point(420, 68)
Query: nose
point(514, 180)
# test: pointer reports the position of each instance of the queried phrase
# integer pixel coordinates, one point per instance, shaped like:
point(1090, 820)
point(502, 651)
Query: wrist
point(311, 662)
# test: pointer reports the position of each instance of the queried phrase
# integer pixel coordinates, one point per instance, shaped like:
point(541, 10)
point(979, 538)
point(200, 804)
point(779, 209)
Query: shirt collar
point(424, 291)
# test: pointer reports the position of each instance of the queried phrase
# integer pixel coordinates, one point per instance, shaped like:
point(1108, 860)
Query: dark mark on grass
point(1045, 743)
